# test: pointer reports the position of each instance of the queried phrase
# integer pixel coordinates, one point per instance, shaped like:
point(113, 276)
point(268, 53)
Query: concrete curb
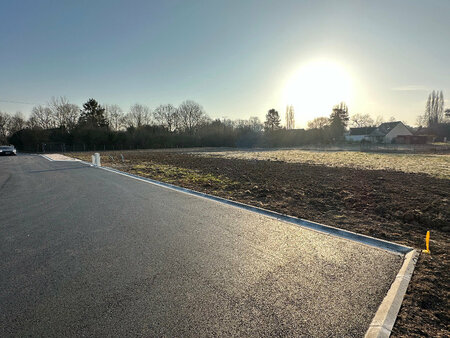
point(385, 317)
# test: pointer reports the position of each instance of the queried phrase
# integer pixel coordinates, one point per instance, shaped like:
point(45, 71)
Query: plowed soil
point(385, 204)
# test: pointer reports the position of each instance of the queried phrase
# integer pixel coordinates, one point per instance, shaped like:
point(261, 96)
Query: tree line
point(61, 126)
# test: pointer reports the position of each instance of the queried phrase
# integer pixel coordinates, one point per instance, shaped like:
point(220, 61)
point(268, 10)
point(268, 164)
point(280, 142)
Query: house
point(388, 131)
point(359, 134)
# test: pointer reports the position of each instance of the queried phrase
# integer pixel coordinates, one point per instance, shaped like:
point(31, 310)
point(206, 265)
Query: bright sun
point(315, 88)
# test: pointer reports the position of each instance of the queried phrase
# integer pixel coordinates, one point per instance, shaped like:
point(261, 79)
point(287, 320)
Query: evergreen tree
point(272, 120)
point(92, 115)
point(339, 120)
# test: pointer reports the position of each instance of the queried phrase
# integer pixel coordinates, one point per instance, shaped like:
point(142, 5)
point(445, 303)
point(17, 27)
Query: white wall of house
point(399, 129)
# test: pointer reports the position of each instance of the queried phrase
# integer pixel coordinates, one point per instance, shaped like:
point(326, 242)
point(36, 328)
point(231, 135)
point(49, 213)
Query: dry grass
point(433, 165)
point(135, 162)
point(174, 174)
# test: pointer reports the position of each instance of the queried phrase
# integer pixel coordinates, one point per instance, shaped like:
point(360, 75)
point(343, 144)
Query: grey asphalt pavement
point(86, 252)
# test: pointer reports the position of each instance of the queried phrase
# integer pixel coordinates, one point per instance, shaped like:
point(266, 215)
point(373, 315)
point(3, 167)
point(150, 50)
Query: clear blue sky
point(233, 57)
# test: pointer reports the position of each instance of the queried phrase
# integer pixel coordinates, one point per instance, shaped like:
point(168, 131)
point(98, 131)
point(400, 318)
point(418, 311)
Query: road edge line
point(47, 158)
point(321, 228)
point(386, 315)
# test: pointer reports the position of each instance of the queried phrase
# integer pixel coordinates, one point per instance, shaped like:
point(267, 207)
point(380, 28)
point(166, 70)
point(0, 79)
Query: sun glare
point(315, 88)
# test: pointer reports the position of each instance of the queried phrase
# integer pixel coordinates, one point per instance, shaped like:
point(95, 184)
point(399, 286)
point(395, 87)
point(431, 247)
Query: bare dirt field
point(388, 196)
point(432, 164)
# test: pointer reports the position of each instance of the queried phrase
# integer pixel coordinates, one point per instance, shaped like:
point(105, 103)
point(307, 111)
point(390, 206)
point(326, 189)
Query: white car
point(7, 150)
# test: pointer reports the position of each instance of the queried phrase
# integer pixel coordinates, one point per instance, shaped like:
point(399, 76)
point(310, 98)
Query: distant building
point(359, 134)
point(437, 133)
point(388, 131)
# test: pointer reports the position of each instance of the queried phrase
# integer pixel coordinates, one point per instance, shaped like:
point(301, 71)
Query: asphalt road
point(86, 252)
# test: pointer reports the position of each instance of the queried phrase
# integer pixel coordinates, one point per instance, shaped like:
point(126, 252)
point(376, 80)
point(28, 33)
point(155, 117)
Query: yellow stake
point(427, 243)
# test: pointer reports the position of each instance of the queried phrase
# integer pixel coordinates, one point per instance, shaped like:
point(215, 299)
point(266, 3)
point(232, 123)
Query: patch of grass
point(136, 163)
point(172, 174)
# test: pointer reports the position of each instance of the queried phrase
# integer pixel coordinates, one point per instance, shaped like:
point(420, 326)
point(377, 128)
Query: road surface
point(88, 252)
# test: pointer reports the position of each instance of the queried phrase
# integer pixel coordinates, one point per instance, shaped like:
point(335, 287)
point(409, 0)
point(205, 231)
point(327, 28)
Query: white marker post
point(93, 160)
point(97, 160)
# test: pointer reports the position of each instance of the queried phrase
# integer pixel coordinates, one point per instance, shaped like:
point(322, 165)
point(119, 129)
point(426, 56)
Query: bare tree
point(319, 123)
point(228, 122)
point(114, 115)
point(72, 113)
point(57, 104)
point(16, 122)
point(421, 121)
point(256, 124)
point(32, 123)
point(191, 115)
point(362, 120)
point(240, 123)
point(138, 116)
point(4, 125)
point(167, 116)
point(251, 123)
point(379, 120)
point(290, 118)
point(392, 119)
point(66, 115)
point(434, 109)
point(43, 117)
